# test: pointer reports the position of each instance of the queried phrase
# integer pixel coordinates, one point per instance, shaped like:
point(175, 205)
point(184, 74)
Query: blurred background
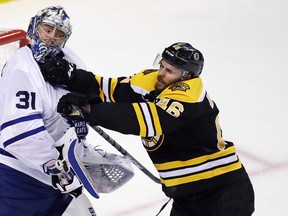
point(244, 44)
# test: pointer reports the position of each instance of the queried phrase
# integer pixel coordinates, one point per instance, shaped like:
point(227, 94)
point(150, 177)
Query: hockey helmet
point(56, 17)
point(186, 57)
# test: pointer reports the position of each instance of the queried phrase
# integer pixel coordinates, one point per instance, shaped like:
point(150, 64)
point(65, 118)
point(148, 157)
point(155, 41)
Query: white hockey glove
point(63, 177)
point(108, 171)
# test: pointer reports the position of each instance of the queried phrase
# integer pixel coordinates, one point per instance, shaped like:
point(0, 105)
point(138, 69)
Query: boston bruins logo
point(181, 86)
point(152, 143)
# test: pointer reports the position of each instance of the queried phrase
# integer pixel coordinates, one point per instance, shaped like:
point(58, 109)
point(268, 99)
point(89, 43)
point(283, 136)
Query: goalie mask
point(48, 32)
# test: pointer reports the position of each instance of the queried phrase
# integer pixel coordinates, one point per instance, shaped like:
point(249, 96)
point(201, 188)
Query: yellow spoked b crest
point(152, 143)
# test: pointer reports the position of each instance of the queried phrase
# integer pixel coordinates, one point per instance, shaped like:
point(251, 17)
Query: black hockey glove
point(57, 71)
point(68, 102)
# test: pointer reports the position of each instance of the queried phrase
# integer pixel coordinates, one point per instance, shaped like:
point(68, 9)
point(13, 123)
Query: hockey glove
point(57, 71)
point(63, 178)
point(67, 103)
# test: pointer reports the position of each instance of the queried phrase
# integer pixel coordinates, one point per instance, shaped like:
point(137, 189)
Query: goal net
point(10, 40)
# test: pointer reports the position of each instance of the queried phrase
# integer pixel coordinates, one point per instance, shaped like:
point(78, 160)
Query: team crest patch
point(181, 86)
point(152, 143)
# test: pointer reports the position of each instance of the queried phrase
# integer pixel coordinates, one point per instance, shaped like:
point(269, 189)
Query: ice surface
point(245, 47)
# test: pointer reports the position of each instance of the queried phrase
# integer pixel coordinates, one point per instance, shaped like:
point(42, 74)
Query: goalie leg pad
point(80, 206)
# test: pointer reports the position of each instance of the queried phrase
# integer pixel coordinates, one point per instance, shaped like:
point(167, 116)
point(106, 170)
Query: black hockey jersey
point(179, 128)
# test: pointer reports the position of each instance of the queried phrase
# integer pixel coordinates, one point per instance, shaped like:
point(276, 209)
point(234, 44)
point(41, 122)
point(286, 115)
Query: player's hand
point(67, 103)
point(62, 177)
point(57, 71)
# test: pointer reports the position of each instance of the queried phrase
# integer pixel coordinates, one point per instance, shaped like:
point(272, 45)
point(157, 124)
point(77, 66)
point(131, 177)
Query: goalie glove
point(57, 71)
point(62, 177)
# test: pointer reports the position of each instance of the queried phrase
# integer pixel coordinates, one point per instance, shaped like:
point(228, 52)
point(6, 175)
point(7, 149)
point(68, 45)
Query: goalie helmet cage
point(10, 41)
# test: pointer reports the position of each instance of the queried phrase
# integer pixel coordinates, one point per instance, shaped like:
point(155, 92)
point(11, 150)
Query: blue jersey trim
point(24, 135)
point(79, 171)
point(19, 120)
point(3, 152)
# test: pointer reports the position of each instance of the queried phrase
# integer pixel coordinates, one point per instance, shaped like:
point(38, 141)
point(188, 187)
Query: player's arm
point(144, 119)
point(59, 71)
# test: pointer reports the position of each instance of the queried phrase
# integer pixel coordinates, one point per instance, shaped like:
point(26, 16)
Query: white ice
point(245, 45)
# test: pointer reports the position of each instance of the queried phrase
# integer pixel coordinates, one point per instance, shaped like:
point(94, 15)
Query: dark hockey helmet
point(184, 56)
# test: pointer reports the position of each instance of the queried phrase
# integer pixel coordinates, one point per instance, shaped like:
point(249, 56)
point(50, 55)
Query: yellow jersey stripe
point(157, 125)
point(200, 168)
point(113, 84)
point(101, 94)
point(195, 161)
point(201, 176)
point(140, 118)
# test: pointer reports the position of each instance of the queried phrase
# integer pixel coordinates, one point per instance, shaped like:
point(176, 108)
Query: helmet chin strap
point(183, 74)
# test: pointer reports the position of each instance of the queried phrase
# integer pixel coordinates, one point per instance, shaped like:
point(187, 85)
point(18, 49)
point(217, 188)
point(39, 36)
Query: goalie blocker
point(99, 171)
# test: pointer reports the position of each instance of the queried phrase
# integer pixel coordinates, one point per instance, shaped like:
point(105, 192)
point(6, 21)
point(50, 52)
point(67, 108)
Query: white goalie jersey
point(31, 129)
point(30, 124)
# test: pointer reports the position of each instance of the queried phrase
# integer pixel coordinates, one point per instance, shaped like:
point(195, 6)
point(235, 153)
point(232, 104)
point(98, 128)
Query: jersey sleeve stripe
point(110, 92)
point(100, 81)
point(142, 124)
point(19, 120)
point(148, 119)
point(113, 83)
point(23, 135)
point(108, 86)
point(157, 125)
point(105, 89)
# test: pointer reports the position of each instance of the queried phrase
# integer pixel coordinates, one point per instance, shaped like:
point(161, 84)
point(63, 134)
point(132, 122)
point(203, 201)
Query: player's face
point(51, 35)
point(167, 75)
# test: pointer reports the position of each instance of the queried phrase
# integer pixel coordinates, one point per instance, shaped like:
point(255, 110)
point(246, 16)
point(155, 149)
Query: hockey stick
point(125, 153)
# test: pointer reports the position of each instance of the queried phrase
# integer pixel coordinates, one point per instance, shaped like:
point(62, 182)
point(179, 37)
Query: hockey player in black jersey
point(179, 127)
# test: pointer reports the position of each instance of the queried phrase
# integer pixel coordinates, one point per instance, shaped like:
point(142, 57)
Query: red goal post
point(10, 40)
point(9, 36)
